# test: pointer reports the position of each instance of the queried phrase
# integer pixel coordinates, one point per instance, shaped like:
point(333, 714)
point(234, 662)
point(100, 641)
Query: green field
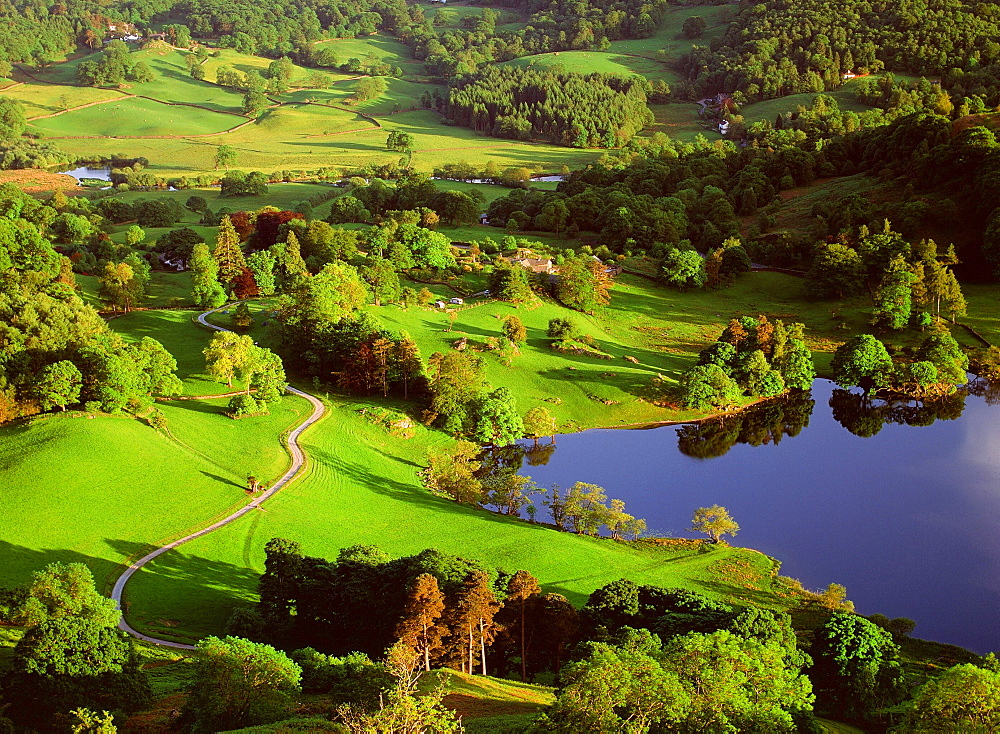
point(361, 485)
point(163, 289)
point(399, 95)
point(680, 121)
point(134, 118)
point(128, 486)
point(383, 48)
point(47, 99)
point(770, 109)
point(177, 122)
point(599, 62)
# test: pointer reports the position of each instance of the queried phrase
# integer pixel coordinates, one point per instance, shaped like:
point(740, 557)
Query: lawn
point(600, 62)
point(983, 315)
point(47, 99)
point(245, 62)
point(400, 95)
point(669, 37)
point(662, 328)
point(181, 140)
point(362, 487)
point(384, 49)
point(770, 109)
point(128, 487)
point(680, 121)
point(164, 289)
point(133, 118)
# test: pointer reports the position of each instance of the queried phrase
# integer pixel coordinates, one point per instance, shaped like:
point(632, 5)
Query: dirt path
point(298, 463)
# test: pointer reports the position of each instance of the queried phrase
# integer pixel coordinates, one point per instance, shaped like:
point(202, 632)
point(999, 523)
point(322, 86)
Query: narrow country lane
point(298, 462)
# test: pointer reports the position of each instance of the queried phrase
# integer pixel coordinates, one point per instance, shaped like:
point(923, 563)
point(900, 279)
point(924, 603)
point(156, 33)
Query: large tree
point(59, 384)
point(471, 621)
point(227, 253)
point(583, 284)
point(962, 698)
point(208, 292)
point(856, 666)
point(238, 683)
point(497, 421)
point(862, 361)
point(420, 628)
point(119, 288)
point(521, 589)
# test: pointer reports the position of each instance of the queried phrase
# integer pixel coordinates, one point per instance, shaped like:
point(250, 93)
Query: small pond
point(102, 174)
point(900, 503)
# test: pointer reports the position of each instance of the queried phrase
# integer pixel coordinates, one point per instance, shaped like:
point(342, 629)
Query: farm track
point(293, 471)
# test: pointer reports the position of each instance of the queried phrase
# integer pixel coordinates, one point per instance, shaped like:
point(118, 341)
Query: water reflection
point(897, 500)
point(865, 417)
point(765, 424)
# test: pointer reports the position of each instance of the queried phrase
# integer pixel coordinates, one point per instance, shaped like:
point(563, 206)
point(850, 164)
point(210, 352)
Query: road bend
point(298, 463)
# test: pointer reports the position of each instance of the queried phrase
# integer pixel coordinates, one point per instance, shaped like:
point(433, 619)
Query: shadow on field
point(218, 478)
point(213, 587)
point(18, 563)
point(401, 491)
point(199, 406)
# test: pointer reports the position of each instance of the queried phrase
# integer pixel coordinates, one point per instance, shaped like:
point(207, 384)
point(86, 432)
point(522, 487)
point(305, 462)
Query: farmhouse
point(535, 265)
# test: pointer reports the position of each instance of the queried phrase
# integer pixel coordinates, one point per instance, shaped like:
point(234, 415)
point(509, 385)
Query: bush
point(242, 406)
point(562, 329)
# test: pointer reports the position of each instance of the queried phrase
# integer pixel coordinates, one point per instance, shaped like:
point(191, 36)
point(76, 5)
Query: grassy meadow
point(597, 62)
point(361, 484)
point(177, 122)
point(128, 487)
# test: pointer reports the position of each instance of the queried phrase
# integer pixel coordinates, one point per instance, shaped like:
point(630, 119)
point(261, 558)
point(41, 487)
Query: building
point(536, 265)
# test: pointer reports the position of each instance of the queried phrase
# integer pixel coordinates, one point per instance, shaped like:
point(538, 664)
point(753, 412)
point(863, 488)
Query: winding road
point(298, 462)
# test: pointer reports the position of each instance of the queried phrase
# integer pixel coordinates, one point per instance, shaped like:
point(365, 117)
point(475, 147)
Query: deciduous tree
point(238, 683)
point(715, 522)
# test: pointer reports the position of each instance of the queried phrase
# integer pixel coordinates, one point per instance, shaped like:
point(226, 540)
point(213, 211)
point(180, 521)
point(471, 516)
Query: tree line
point(582, 111)
point(778, 47)
point(635, 656)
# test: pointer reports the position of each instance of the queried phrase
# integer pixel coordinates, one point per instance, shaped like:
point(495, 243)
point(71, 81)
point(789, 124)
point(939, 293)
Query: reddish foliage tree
point(268, 224)
point(244, 285)
point(243, 224)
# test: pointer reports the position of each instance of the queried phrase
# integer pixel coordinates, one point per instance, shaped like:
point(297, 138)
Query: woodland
point(746, 197)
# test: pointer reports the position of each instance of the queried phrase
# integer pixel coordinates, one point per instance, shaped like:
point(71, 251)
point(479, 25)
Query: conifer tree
point(420, 628)
point(521, 588)
point(290, 263)
point(408, 361)
point(227, 253)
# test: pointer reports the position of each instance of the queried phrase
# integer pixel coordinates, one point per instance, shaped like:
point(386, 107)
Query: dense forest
point(34, 35)
point(580, 110)
point(782, 47)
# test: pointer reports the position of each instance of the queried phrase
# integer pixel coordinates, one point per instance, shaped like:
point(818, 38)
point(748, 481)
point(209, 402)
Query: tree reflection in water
point(764, 424)
point(865, 416)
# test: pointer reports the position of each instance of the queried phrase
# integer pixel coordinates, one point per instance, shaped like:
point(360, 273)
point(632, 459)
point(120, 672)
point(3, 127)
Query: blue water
point(908, 520)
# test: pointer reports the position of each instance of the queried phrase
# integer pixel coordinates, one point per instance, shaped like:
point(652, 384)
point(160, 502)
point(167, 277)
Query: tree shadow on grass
point(19, 562)
point(404, 492)
point(218, 478)
point(199, 406)
point(160, 596)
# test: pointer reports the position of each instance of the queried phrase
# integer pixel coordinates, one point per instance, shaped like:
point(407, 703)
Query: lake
point(908, 518)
